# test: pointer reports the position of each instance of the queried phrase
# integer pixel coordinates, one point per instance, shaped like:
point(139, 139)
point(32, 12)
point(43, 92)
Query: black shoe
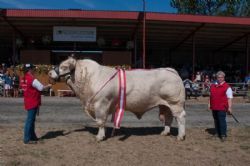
point(30, 142)
point(34, 139)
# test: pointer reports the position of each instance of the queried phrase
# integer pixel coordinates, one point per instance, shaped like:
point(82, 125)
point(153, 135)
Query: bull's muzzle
point(56, 69)
point(54, 74)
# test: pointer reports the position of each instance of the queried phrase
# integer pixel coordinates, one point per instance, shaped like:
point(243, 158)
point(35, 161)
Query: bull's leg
point(166, 117)
point(72, 86)
point(180, 117)
point(101, 118)
point(101, 132)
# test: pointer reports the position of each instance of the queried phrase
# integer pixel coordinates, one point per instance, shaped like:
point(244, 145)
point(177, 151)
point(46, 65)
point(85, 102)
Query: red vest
point(218, 97)
point(32, 97)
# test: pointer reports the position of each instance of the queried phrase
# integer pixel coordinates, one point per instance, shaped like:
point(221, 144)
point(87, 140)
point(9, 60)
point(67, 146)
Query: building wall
point(178, 58)
point(113, 58)
point(35, 56)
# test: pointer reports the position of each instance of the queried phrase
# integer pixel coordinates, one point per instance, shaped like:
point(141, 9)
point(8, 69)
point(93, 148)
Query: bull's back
point(148, 88)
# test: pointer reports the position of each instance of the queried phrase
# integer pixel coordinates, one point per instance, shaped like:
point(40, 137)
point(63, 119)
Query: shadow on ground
point(125, 132)
point(211, 131)
point(54, 134)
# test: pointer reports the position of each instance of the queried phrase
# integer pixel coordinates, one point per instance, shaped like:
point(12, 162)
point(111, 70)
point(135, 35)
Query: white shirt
point(198, 77)
point(229, 93)
point(36, 84)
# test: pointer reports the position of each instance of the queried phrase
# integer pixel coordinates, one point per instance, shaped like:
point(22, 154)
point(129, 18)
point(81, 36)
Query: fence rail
point(239, 89)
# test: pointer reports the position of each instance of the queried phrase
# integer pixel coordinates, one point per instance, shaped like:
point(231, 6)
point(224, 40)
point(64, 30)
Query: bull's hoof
point(181, 138)
point(99, 138)
point(165, 133)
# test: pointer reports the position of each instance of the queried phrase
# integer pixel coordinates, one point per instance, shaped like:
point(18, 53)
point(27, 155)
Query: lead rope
point(90, 100)
point(103, 86)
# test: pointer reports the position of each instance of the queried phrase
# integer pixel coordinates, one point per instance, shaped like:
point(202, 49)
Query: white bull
point(145, 89)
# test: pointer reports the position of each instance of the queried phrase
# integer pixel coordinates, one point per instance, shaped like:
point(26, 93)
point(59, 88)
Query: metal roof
point(172, 31)
point(124, 15)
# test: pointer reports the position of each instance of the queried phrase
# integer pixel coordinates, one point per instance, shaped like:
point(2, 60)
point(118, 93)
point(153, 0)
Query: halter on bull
point(145, 89)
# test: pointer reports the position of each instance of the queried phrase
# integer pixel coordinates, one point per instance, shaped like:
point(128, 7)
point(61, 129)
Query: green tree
point(212, 7)
point(244, 8)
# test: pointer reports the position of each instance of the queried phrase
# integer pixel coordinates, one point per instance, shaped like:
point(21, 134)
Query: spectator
point(198, 77)
point(15, 80)
point(221, 103)
point(4, 67)
point(247, 86)
point(206, 83)
point(195, 89)
point(7, 84)
point(213, 80)
point(1, 84)
point(1, 73)
point(247, 79)
point(188, 86)
point(1, 69)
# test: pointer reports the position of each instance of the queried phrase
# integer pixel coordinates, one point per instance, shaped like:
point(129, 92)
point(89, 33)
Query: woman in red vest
point(221, 96)
point(32, 100)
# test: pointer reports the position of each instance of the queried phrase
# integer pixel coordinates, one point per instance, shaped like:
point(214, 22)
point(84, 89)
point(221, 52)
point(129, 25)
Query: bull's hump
point(89, 61)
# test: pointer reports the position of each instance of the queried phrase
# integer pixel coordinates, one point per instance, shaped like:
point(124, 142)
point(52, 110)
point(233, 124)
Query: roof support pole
point(144, 36)
point(134, 36)
point(135, 50)
point(247, 54)
point(194, 54)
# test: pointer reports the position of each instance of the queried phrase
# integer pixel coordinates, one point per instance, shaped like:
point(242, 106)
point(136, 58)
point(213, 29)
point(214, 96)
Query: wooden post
point(13, 57)
point(135, 51)
point(194, 51)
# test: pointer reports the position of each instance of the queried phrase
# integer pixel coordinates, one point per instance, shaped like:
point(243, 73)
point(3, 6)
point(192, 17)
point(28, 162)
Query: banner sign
point(74, 34)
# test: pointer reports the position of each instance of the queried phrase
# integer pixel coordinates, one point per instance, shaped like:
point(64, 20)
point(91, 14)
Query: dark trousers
point(188, 93)
point(220, 122)
point(29, 128)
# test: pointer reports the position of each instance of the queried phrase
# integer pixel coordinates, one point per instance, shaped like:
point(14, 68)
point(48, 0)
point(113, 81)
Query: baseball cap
point(28, 66)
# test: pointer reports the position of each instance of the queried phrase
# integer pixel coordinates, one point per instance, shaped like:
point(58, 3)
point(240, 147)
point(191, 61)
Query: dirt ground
point(131, 146)
point(73, 142)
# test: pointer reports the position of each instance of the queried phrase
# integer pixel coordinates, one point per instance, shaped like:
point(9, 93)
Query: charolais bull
point(97, 87)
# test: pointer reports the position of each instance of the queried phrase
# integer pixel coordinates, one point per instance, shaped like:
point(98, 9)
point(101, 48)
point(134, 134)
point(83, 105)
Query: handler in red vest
point(221, 96)
point(32, 100)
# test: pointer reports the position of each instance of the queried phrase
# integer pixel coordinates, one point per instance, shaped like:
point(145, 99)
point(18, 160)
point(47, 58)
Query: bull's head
point(65, 68)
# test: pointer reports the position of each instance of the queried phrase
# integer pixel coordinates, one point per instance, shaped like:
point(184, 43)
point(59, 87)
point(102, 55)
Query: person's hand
point(208, 107)
point(49, 85)
point(46, 87)
point(229, 111)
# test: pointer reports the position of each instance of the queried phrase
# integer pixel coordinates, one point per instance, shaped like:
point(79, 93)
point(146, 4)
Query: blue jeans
point(29, 128)
point(220, 122)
